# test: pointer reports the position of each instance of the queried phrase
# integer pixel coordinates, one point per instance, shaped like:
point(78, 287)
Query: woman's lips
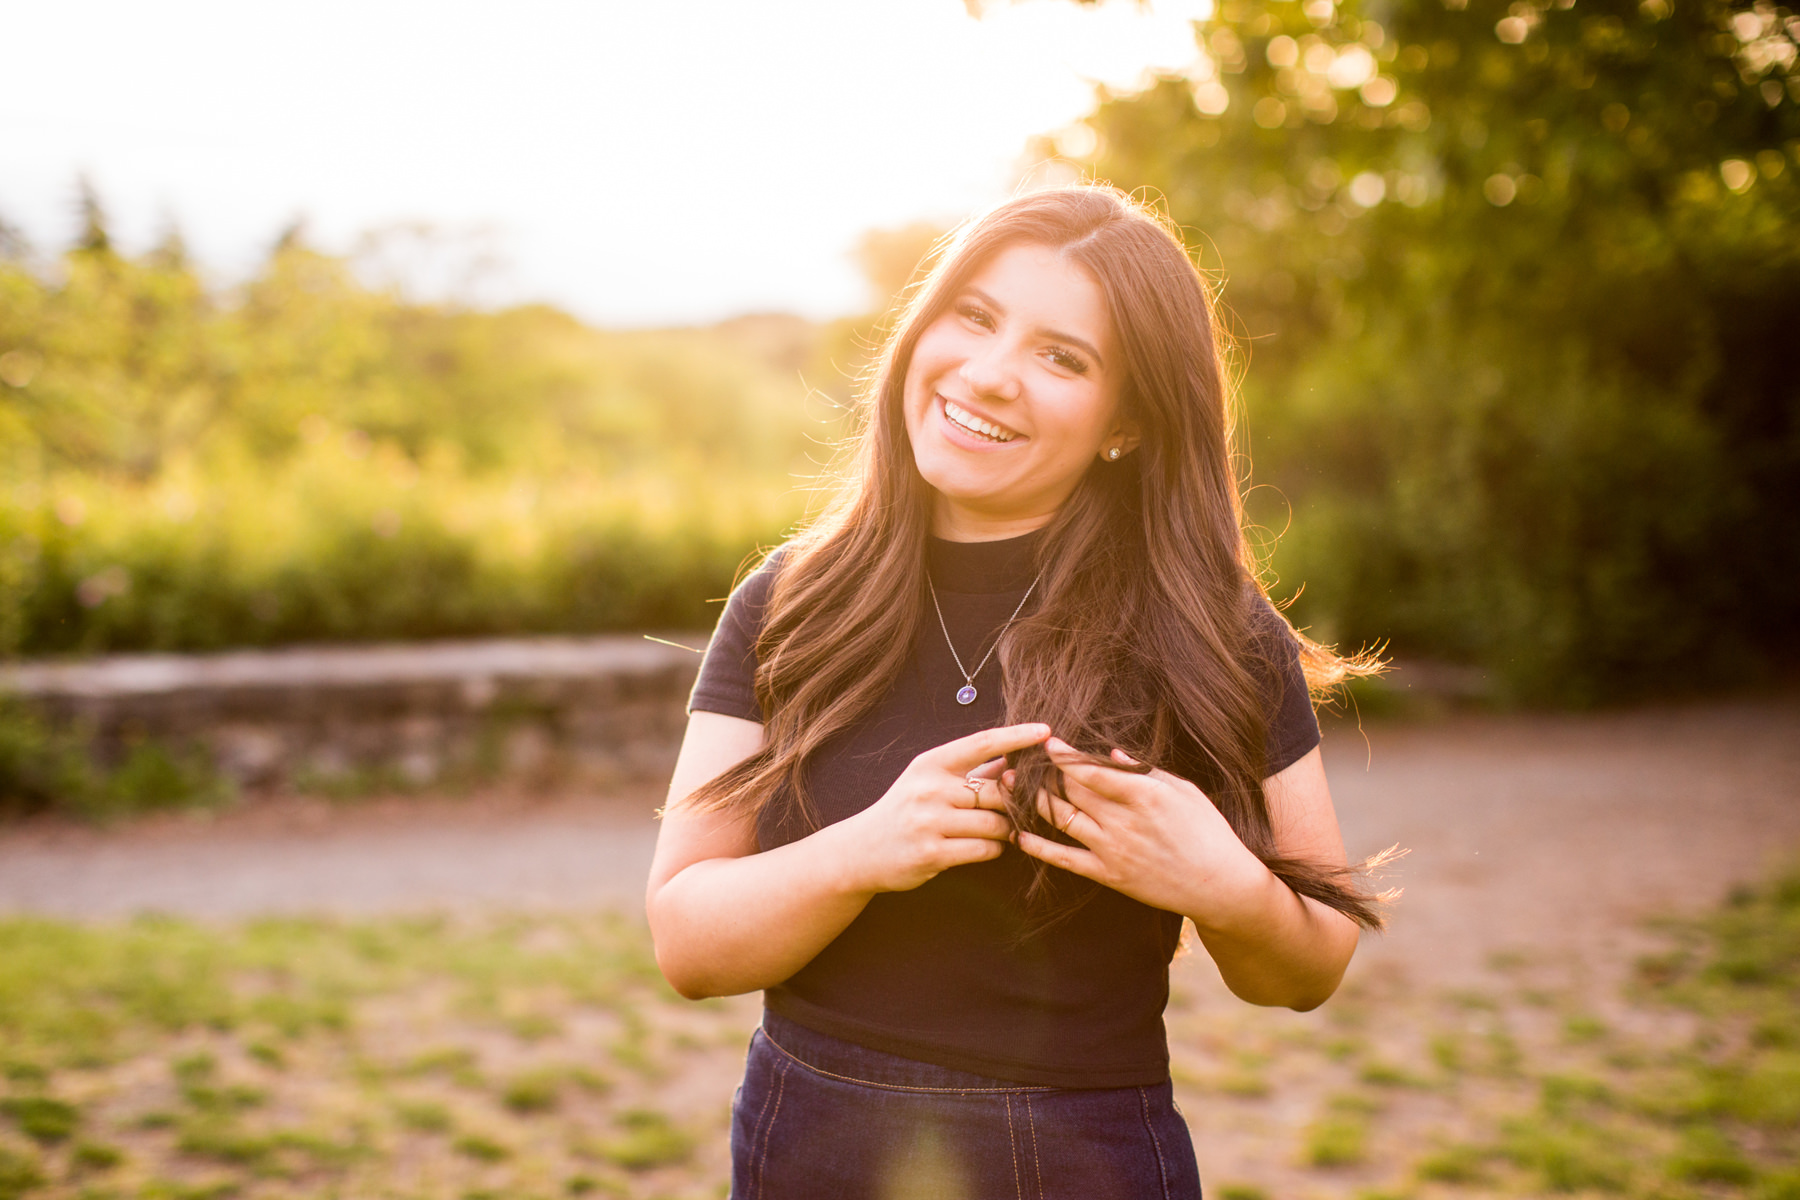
point(974, 427)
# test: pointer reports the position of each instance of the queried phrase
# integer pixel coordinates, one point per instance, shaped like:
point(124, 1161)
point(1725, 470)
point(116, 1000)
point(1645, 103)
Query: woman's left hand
point(1155, 837)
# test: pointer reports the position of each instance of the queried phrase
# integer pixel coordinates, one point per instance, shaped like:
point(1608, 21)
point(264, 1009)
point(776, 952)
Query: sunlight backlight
point(638, 163)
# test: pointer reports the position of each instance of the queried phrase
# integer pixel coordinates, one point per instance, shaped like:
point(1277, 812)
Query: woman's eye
point(978, 315)
point(1067, 361)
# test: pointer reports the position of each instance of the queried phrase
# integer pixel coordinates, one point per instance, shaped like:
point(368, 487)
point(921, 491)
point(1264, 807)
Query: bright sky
point(636, 161)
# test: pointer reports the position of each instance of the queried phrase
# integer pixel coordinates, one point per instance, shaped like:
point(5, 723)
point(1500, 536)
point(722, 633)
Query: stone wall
point(369, 716)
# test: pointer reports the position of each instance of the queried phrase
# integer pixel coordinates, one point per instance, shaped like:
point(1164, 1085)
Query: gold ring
point(974, 785)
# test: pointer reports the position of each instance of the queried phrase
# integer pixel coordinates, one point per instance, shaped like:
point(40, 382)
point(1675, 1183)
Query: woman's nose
point(992, 371)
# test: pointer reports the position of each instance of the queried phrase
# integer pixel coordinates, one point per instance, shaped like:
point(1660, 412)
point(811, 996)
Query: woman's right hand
point(728, 917)
point(930, 819)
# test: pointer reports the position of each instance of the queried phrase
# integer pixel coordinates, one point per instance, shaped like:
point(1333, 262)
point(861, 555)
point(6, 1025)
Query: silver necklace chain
point(966, 693)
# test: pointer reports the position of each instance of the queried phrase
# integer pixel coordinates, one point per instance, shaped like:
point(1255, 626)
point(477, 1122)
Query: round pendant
point(965, 694)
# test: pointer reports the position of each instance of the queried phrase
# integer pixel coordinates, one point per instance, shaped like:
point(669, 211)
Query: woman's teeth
point(962, 418)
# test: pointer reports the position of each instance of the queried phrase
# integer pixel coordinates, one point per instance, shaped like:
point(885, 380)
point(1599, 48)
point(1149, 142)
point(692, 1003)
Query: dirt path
point(1523, 830)
point(297, 855)
point(1566, 831)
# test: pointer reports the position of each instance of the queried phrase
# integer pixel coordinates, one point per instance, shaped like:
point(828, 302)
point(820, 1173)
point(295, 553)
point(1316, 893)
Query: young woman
point(964, 753)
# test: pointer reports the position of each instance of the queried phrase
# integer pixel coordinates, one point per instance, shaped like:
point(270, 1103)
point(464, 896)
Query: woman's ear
point(1124, 438)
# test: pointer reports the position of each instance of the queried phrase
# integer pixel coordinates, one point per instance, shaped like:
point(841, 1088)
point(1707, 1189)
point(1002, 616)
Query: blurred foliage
point(307, 456)
point(45, 768)
point(1519, 283)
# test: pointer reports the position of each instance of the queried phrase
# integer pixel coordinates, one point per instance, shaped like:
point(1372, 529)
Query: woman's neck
point(954, 523)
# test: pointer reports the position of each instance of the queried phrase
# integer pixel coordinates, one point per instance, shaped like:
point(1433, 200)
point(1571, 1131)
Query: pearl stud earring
point(1113, 454)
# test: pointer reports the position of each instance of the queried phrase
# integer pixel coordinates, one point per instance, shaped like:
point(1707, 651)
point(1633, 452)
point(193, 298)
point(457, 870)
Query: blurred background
point(373, 377)
point(417, 322)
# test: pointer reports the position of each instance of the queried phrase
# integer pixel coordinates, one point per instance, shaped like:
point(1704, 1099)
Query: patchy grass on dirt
point(517, 1057)
point(1686, 1086)
point(539, 1057)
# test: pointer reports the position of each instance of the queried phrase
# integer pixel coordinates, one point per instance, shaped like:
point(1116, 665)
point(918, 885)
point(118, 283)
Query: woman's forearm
point(1278, 948)
point(727, 919)
point(728, 925)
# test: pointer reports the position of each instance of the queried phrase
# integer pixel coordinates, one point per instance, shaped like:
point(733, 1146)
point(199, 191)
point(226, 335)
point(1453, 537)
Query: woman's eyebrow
point(1055, 335)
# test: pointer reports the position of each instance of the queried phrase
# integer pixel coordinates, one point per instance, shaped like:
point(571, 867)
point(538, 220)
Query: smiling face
point(1012, 393)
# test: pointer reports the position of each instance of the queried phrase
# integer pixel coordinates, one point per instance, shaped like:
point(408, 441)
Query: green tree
point(1518, 282)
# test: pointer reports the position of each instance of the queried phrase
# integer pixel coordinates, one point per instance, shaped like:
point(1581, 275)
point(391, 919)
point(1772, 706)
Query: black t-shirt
point(941, 973)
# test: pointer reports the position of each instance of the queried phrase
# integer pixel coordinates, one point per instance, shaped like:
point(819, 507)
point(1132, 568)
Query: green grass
point(482, 1148)
point(1242, 1191)
point(1779, 1185)
point(1567, 1156)
point(1447, 1052)
point(534, 1091)
point(95, 1156)
point(1386, 1074)
point(647, 1139)
point(1708, 1155)
point(426, 1116)
point(1584, 1027)
point(19, 1173)
point(1459, 1164)
point(1243, 1082)
point(41, 1118)
point(1336, 1140)
point(326, 1056)
point(1716, 1115)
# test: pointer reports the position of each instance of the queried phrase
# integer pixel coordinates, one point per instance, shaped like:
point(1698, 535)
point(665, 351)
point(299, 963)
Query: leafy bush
point(307, 458)
point(42, 769)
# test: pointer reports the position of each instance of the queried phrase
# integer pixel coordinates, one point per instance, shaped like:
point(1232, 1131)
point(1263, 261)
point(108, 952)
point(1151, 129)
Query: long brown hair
point(1142, 638)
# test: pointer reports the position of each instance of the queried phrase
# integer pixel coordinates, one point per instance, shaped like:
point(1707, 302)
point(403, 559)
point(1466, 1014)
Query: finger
point(1089, 785)
point(981, 793)
point(970, 823)
point(962, 851)
point(966, 753)
point(1157, 773)
point(1061, 750)
point(991, 769)
point(969, 793)
point(1069, 858)
point(1069, 820)
point(1124, 759)
point(985, 797)
point(1066, 758)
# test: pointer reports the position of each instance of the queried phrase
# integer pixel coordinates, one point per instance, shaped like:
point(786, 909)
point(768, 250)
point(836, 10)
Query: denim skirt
point(821, 1118)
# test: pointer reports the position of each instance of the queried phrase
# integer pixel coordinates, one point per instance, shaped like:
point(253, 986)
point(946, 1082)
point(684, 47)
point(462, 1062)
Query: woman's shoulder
point(1269, 626)
point(726, 683)
point(1292, 726)
point(752, 591)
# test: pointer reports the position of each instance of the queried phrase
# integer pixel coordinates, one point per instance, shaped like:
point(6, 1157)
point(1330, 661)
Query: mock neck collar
point(983, 568)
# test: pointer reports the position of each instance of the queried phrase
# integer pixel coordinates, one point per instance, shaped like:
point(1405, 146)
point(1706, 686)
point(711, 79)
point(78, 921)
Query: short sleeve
point(727, 680)
point(1293, 728)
